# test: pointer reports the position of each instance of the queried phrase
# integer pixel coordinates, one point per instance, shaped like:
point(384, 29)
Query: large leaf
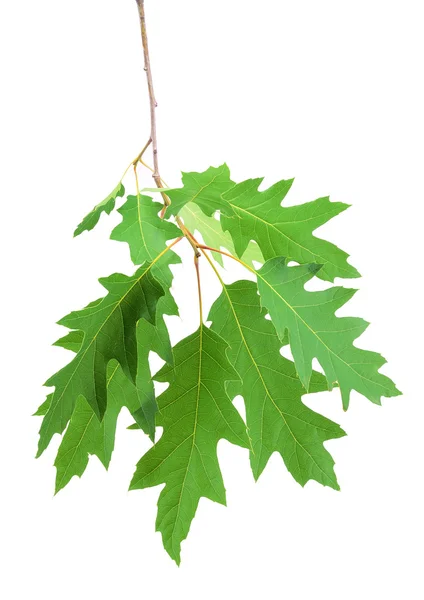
point(85, 434)
point(106, 206)
point(281, 231)
point(204, 189)
point(214, 236)
point(109, 327)
point(277, 419)
point(196, 413)
point(315, 332)
point(142, 229)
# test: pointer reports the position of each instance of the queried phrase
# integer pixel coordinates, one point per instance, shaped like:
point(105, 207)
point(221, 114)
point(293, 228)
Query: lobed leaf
point(281, 231)
point(277, 420)
point(196, 413)
point(109, 328)
point(142, 229)
point(315, 332)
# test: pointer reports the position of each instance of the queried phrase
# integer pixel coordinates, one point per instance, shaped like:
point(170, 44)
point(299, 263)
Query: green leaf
point(196, 413)
point(139, 399)
point(44, 407)
point(142, 229)
point(109, 328)
point(315, 332)
point(85, 434)
point(213, 235)
point(158, 334)
point(204, 189)
point(146, 235)
point(107, 206)
point(281, 231)
point(79, 441)
point(150, 337)
point(277, 420)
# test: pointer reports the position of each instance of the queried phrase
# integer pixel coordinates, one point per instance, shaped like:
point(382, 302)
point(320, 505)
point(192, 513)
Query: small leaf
point(315, 332)
point(196, 413)
point(281, 231)
point(142, 229)
point(204, 189)
point(277, 420)
point(107, 206)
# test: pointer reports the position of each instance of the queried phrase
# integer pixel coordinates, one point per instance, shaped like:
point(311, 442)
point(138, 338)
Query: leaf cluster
point(238, 354)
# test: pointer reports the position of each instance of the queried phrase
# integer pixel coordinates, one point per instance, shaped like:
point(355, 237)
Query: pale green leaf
point(204, 189)
point(281, 231)
point(315, 332)
point(213, 235)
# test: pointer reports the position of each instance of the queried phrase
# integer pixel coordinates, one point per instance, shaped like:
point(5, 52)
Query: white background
point(327, 91)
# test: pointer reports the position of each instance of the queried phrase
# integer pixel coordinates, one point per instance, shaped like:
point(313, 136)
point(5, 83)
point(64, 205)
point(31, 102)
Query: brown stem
point(152, 100)
point(153, 103)
point(153, 129)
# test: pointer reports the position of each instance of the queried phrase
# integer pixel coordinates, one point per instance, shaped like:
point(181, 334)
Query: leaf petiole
point(202, 247)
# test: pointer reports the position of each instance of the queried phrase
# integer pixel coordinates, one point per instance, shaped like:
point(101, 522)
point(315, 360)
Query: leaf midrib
point(316, 335)
point(266, 223)
point(266, 387)
point(118, 304)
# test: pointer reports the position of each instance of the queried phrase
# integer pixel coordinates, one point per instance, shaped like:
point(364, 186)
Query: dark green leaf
point(109, 328)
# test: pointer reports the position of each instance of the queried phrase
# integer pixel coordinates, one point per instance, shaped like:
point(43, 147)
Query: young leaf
point(109, 328)
point(107, 206)
point(196, 413)
point(142, 229)
point(204, 189)
point(277, 419)
point(213, 235)
point(315, 332)
point(281, 231)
